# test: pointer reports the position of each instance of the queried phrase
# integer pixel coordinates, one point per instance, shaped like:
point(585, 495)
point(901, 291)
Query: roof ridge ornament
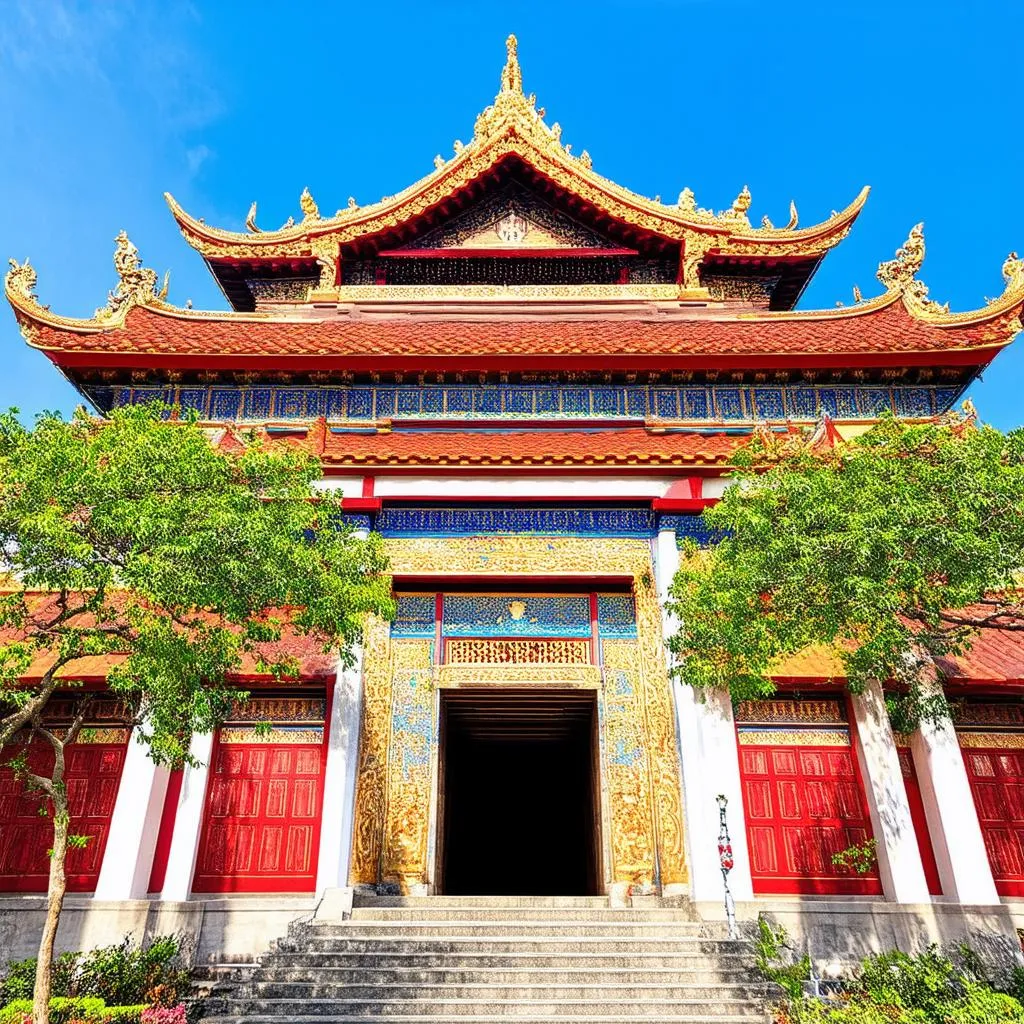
point(511, 73)
point(899, 275)
point(21, 280)
point(310, 211)
point(137, 285)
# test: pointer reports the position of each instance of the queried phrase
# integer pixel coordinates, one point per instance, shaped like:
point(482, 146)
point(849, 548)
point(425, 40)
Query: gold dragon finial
point(21, 280)
point(310, 211)
point(1013, 271)
point(250, 220)
point(897, 274)
point(900, 274)
point(511, 74)
point(136, 284)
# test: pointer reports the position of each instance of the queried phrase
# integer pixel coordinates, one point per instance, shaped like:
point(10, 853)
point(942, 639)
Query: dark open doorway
point(519, 802)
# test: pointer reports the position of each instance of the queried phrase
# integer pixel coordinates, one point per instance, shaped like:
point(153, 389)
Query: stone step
point(486, 991)
point(483, 902)
point(527, 915)
point(753, 1016)
point(485, 929)
point(370, 974)
point(458, 1008)
point(501, 945)
point(474, 958)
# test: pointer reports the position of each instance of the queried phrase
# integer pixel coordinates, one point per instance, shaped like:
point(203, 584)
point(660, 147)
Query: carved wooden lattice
point(517, 652)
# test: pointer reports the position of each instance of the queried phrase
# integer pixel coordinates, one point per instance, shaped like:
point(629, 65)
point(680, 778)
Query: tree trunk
point(54, 903)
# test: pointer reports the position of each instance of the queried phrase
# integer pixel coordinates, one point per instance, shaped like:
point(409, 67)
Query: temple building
point(530, 380)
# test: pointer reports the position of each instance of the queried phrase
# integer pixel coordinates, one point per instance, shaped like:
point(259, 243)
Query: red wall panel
point(997, 782)
point(802, 805)
point(261, 828)
point(917, 815)
point(93, 775)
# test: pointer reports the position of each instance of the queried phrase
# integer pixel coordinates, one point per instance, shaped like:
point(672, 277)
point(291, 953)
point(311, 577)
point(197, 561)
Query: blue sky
point(106, 106)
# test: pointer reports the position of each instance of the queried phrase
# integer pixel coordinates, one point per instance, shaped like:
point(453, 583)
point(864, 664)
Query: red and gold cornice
point(513, 127)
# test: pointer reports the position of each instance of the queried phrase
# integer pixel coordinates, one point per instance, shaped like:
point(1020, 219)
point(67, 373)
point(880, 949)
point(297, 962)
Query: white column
point(899, 857)
point(959, 846)
point(134, 827)
point(710, 766)
point(337, 817)
point(188, 821)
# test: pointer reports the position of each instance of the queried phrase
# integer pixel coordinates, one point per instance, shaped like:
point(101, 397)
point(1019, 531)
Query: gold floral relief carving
point(371, 783)
point(991, 740)
point(794, 738)
point(627, 766)
point(584, 677)
point(407, 818)
point(661, 734)
point(463, 651)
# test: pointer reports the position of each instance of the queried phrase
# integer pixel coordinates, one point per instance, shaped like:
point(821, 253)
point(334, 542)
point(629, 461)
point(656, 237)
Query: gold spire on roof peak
point(511, 74)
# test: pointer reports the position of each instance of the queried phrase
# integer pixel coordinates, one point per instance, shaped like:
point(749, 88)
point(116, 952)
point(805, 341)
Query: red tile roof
point(626, 447)
point(996, 656)
point(888, 329)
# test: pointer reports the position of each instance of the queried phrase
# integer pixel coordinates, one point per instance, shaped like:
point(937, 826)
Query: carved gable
point(513, 218)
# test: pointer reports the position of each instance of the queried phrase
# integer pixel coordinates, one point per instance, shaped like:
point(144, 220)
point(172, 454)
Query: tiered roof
point(724, 320)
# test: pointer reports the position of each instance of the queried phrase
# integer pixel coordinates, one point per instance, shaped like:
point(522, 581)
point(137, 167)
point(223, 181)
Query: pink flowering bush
point(164, 1015)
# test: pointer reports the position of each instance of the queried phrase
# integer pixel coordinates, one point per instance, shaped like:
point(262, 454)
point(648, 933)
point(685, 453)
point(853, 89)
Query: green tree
point(139, 540)
point(889, 549)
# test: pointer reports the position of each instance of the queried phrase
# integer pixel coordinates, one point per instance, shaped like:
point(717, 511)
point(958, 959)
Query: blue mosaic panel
point(408, 402)
point(730, 405)
point(872, 402)
point(695, 404)
point(768, 403)
point(360, 403)
point(547, 521)
point(666, 403)
point(913, 401)
point(616, 615)
point(945, 397)
point(514, 615)
point(414, 615)
point(690, 526)
point(468, 402)
point(576, 402)
point(803, 403)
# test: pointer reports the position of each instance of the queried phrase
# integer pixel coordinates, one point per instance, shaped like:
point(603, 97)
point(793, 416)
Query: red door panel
point(997, 782)
point(92, 774)
point(802, 805)
point(261, 828)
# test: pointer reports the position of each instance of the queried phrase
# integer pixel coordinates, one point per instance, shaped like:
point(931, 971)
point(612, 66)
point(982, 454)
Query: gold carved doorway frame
point(396, 792)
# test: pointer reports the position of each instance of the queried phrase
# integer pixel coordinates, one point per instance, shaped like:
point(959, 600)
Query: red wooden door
point(803, 804)
point(997, 782)
point(920, 820)
point(93, 775)
point(261, 829)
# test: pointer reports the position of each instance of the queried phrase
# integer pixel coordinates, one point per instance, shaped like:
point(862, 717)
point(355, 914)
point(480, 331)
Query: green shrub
point(768, 948)
point(66, 1010)
point(125, 974)
point(62, 1010)
point(120, 975)
point(20, 978)
point(896, 988)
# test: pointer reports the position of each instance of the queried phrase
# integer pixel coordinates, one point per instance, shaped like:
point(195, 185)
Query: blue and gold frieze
point(512, 615)
point(712, 402)
point(515, 615)
point(616, 615)
point(549, 521)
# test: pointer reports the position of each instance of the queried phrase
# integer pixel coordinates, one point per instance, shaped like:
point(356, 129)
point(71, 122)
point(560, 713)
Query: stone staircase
point(466, 959)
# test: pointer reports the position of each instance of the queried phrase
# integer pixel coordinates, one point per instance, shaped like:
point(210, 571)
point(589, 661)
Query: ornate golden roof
point(513, 125)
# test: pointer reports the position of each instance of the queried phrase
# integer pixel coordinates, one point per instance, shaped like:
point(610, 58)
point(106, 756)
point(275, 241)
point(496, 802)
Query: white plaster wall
point(337, 817)
point(521, 486)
